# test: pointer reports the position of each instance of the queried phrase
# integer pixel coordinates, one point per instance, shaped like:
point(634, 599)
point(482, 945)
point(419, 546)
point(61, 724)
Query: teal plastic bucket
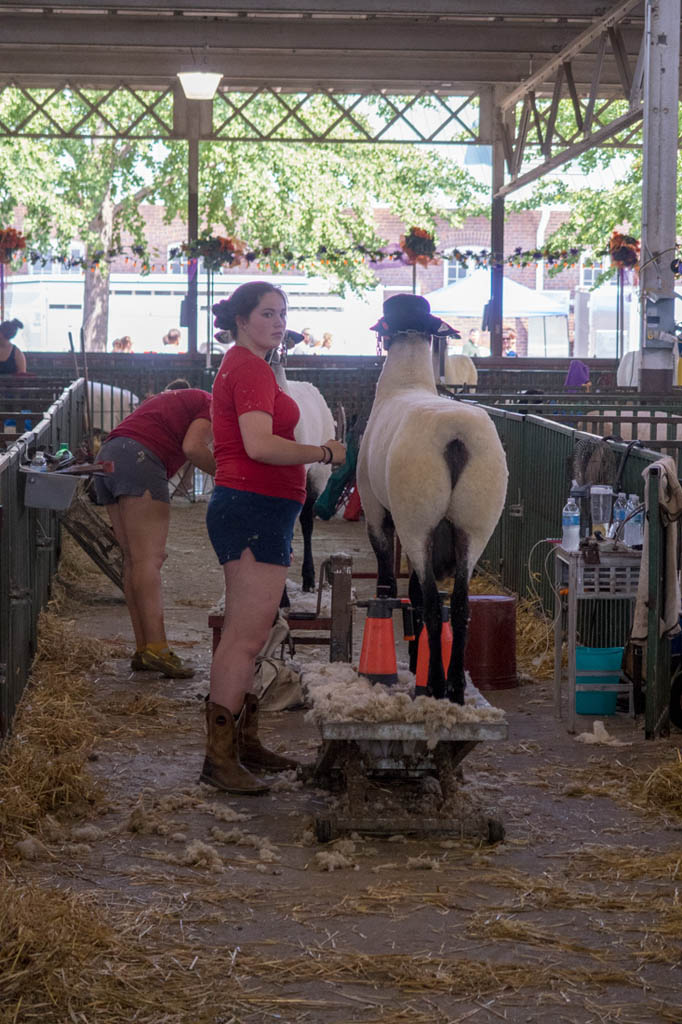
point(597, 659)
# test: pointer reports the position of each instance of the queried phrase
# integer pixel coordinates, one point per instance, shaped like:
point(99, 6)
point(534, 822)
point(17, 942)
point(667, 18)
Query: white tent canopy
point(467, 297)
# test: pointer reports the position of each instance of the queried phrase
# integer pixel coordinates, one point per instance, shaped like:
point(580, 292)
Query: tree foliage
point(302, 197)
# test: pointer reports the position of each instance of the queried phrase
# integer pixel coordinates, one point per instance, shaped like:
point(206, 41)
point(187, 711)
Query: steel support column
point(192, 235)
point(659, 192)
point(494, 318)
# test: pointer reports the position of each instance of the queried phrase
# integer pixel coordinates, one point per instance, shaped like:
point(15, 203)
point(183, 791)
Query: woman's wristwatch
point(327, 457)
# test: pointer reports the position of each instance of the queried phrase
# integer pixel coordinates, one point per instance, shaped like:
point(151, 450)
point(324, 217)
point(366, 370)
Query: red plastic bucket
point(490, 652)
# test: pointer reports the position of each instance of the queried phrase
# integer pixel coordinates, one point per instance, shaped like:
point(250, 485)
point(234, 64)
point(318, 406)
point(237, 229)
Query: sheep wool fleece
point(402, 466)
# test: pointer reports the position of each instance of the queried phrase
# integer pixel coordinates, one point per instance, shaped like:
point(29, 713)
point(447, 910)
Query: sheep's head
point(411, 337)
point(410, 317)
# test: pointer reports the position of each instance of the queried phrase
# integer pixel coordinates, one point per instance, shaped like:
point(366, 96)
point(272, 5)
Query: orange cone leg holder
point(423, 653)
point(377, 659)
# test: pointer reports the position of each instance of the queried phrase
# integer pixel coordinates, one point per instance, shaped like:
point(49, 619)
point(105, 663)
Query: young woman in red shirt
point(259, 493)
point(147, 448)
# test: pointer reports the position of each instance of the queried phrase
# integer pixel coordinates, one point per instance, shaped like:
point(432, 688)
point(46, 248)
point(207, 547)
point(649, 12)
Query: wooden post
point(341, 632)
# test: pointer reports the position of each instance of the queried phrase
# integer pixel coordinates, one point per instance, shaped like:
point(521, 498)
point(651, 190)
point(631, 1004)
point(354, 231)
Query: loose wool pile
point(337, 693)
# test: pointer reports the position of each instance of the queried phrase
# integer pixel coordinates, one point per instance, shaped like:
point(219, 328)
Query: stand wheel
point(323, 830)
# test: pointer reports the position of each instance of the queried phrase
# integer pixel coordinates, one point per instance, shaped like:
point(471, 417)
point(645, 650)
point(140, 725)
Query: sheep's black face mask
point(416, 335)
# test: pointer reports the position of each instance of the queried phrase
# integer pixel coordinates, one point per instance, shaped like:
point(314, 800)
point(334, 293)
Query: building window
point(177, 265)
point(589, 274)
point(454, 271)
point(50, 266)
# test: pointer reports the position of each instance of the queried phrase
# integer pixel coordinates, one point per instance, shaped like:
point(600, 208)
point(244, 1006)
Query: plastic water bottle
point(570, 523)
point(39, 463)
point(634, 528)
point(619, 514)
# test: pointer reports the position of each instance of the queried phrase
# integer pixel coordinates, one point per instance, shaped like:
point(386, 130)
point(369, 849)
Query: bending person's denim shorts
point(243, 519)
point(136, 470)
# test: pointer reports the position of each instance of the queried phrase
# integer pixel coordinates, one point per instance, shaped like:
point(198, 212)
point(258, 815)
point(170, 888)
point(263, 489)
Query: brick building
point(164, 288)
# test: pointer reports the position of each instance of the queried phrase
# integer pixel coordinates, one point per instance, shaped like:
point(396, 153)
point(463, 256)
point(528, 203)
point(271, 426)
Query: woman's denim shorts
point(243, 519)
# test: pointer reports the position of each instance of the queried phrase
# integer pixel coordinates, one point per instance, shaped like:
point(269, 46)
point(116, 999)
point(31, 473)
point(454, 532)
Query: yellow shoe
point(167, 663)
point(136, 663)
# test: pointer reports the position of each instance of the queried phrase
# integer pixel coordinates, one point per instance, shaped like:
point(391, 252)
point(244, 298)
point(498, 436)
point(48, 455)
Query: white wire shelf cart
point(614, 578)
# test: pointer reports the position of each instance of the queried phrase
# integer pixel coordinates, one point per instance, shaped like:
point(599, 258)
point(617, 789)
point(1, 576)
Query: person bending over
point(147, 448)
point(260, 490)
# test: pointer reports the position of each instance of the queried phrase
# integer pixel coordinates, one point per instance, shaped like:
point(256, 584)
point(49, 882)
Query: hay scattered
point(626, 863)
point(63, 957)
point(663, 788)
point(43, 767)
point(511, 929)
point(75, 567)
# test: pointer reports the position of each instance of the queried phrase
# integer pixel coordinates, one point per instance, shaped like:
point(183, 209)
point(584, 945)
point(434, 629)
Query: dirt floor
point(159, 900)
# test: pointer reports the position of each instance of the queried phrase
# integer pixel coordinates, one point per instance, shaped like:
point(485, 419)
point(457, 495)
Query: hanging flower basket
point(11, 241)
point(419, 247)
point(216, 251)
point(624, 251)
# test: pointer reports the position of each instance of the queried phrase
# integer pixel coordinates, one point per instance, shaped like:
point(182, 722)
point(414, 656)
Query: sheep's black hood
point(410, 313)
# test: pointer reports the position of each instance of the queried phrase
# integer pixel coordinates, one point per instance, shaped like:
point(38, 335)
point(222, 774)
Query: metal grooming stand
point(362, 758)
point(338, 627)
point(614, 577)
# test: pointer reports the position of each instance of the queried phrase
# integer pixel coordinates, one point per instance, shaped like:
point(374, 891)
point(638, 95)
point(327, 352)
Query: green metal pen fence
point(29, 546)
point(539, 459)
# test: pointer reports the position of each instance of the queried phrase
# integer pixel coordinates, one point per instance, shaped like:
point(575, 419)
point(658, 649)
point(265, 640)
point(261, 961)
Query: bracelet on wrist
point(327, 456)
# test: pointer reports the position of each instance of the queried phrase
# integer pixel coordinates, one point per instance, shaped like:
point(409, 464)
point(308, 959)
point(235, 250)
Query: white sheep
point(432, 469)
point(460, 370)
point(315, 424)
point(595, 422)
point(109, 405)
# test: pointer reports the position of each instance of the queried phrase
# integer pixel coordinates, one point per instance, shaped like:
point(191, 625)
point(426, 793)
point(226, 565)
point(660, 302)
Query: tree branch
point(141, 194)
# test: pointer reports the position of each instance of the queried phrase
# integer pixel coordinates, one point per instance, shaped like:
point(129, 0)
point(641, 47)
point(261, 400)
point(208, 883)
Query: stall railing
point(540, 464)
point(29, 546)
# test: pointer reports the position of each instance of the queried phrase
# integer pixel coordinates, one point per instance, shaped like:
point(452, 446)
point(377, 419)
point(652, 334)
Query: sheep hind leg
point(459, 614)
point(382, 539)
point(414, 591)
point(433, 624)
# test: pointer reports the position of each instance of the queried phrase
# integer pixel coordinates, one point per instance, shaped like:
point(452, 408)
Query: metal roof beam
point(213, 35)
point(571, 152)
point(545, 9)
point(579, 45)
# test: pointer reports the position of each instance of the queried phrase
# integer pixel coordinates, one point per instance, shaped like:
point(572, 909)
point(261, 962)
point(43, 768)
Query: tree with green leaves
point(303, 199)
point(594, 212)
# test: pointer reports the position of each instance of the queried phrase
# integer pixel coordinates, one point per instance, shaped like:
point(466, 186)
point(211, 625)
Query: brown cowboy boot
point(251, 751)
point(222, 767)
